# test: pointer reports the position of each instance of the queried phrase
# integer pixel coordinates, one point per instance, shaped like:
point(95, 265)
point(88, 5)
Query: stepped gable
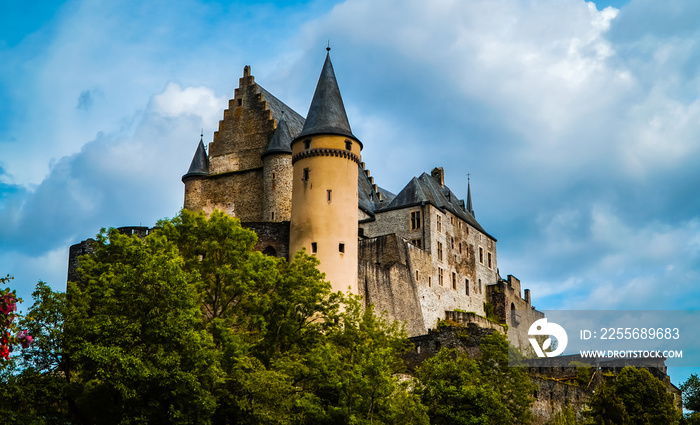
point(247, 126)
point(426, 189)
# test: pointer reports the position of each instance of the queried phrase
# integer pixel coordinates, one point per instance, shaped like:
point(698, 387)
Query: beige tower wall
point(314, 218)
point(277, 181)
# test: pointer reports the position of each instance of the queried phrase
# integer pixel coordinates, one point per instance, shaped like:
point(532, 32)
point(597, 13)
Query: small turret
point(277, 174)
point(199, 167)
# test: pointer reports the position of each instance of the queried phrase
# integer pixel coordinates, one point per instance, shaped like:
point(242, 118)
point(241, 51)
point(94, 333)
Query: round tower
point(325, 158)
point(277, 175)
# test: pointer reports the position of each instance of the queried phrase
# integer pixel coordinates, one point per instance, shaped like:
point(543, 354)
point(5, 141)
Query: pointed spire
point(470, 210)
point(199, 166)
point(281, 139)
point(327, 112)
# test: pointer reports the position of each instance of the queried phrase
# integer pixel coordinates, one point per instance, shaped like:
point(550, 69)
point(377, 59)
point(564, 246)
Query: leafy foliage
point(459, 390)
point(636, 397)
point(191, 325)
point(691, 393)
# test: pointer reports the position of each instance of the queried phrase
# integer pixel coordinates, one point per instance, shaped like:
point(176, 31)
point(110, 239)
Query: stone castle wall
point(238, 194)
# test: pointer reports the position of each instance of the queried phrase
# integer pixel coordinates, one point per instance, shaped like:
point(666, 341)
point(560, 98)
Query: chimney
point(438, 174)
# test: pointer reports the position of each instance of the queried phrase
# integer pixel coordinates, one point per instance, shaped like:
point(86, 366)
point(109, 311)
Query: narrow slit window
point(454, 281)
point(489, 259)
point(439, 223)
point(314, 247)
point(439, 246)
point(481, 255)
point(328, 192)
point(430, 281)
point(305, 176)
point(272, 215)
point(341, 247)
point(466, 286)
point(440, 277)
point(416, 275)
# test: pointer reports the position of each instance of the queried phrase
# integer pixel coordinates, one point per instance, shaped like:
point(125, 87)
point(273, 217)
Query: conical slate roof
point(327, 112)
point(281, 139)
point(200, 163)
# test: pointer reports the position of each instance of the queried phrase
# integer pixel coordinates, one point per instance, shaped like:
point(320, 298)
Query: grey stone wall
point(385, 280)
point(273, 238)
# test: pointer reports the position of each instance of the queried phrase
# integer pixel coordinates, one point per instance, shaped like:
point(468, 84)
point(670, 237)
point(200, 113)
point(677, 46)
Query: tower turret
point(325, 158)
point(277, 174)
point(199, 169)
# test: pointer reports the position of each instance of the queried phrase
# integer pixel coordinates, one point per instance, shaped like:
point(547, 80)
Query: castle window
point(439, 251)
point(348, 145)
point(416, 275)
point(272, 215)
point(341, 247)
point(439, 223)
point(305, 176)
point(466, 286)
point(240, 102)
point(481, 255)
point(460, 247)
point(307, 143)
point(415, 220)
point(417, 242)
point(452, 243)
point(314, 247)
point(479, 285)
point(452, 220)
point(454, 281)
point(273, 176)
point(329, 195)
point(489, 259)
point(430, 281)
point(440, 276)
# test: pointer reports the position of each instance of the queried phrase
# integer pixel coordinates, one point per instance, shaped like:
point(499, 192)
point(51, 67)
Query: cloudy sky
point(578, 121)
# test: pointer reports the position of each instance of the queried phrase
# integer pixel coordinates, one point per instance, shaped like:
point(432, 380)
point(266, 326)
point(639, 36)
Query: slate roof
point(367, 198)
point(295, 122)
point(327, 111)
point(200, 163)
point(427, 190)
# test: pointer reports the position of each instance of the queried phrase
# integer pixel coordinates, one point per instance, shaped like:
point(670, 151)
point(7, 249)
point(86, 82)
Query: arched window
point(271, 251)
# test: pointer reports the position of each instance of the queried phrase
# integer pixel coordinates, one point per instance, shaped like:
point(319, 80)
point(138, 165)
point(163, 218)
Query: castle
point(419, 256)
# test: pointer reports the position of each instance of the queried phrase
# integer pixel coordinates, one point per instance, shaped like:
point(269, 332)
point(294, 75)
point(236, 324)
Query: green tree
point(635, 397)
point(691, 393)
point(486, 390)
point(566, 416)
point(455, 392)
point(133, 335)
point(36, 390)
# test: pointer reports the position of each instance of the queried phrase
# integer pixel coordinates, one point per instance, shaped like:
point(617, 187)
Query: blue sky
point(578, 122)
